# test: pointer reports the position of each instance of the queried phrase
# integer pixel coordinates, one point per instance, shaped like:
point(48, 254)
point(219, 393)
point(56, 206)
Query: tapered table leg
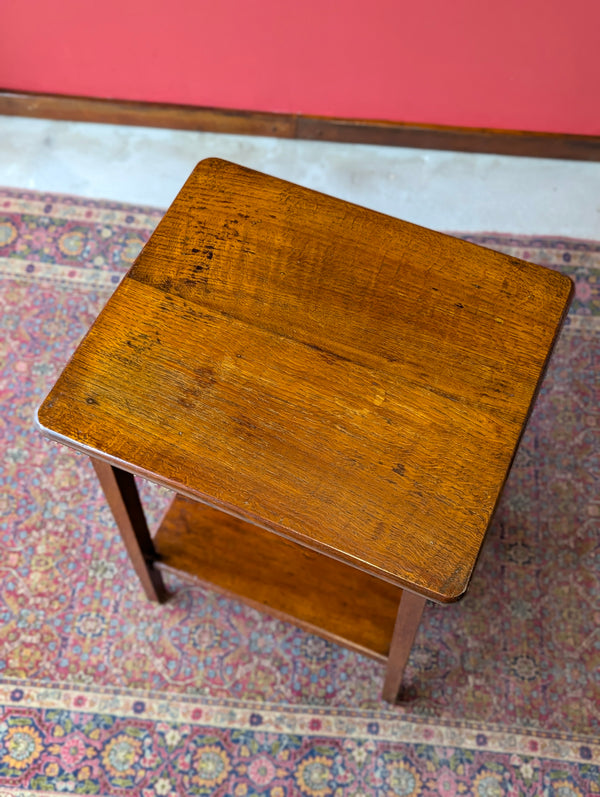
point(124, 501)
point(407, 623)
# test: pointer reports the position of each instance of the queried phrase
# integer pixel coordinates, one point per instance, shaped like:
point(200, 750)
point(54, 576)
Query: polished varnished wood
point(406, 626)
point(358, 131)
point(124, 502)
point(146, 114)
point(521, 143)
point(287, 579)
point(348, 380)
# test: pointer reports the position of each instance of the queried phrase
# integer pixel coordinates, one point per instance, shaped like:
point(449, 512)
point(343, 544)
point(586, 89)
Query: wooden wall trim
point(257, 123)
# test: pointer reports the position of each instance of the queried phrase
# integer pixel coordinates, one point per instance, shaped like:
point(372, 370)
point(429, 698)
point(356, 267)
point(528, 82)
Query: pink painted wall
point(514, 64)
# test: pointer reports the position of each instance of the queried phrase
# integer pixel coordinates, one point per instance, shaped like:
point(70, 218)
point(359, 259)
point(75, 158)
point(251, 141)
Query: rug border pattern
point(305, 721)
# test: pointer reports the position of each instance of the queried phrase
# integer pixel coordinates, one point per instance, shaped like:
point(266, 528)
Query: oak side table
point(334, 395)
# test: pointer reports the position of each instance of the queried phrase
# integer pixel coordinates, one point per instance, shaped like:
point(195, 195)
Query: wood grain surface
point(533, 144)
point(348, 380)
point(283, 577)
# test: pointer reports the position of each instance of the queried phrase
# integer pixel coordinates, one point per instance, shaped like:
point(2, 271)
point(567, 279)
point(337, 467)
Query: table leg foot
point(407, 622)
point(124, 501)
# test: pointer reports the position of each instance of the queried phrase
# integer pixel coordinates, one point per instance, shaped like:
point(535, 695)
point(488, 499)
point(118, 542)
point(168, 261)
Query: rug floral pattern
point(105, 693)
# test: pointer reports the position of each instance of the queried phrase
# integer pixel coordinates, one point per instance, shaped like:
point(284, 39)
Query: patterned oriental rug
point(105, 693)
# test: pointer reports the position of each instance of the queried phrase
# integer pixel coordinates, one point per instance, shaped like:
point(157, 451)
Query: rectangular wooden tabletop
point(351, 381)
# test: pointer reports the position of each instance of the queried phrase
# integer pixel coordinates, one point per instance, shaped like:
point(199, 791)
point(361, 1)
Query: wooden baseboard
point(258, 123)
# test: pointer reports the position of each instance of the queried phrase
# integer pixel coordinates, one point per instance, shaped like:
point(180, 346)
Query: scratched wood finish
point(284, 577)
point(348, 380)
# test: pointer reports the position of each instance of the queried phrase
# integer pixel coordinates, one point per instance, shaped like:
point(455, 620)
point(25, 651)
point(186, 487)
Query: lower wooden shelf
point(284, 578)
